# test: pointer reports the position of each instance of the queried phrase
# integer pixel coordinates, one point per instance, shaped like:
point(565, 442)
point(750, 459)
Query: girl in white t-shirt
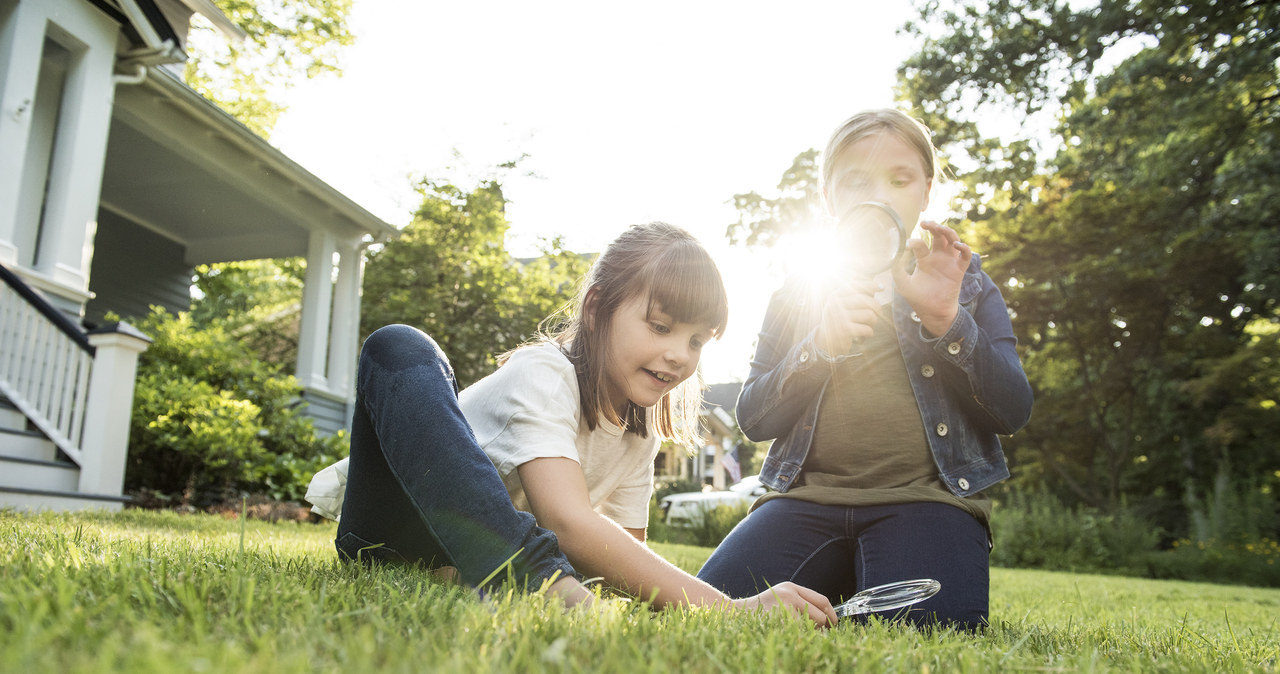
point(542, 472)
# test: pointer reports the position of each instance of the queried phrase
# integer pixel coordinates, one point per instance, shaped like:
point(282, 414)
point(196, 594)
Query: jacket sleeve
point(786, 373)
point(981, 364)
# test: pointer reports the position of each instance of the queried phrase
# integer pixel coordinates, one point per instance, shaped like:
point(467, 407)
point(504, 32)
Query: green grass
point(161, 592)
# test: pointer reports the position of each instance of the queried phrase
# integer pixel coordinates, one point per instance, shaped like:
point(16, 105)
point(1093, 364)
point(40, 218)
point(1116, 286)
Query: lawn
point(162, 592)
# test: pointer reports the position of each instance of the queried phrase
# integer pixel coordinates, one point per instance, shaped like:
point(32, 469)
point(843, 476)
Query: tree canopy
point(1116, 165)
point(1138, 243)
point(287, 40)
point(450, 275)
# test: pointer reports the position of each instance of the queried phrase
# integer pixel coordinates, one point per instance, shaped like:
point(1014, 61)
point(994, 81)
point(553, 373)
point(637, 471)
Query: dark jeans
point(839, 551)
point(419, 488)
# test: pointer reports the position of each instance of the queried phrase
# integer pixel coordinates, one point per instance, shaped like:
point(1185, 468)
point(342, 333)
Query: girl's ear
point(589, 305)
point(928, 189)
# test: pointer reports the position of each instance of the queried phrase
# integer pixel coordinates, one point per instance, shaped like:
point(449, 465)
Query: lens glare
point(872, 236)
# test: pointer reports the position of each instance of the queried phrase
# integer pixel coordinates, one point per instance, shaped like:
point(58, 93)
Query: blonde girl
point(542, 472)
point(884, 398)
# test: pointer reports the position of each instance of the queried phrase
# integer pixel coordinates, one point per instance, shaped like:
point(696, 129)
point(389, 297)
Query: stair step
point(10, 417)
point(33, 474)
point(27, 445)
point(31, 500)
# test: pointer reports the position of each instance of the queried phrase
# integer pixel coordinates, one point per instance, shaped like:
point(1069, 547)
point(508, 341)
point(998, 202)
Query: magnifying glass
point(888, 597)
point(873, 235)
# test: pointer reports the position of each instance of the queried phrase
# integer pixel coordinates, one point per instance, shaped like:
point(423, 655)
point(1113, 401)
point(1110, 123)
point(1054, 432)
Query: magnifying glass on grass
point(889, 596)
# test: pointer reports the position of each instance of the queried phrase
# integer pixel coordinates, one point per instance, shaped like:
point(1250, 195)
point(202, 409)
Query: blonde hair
point(870, 122)
point(679, 277)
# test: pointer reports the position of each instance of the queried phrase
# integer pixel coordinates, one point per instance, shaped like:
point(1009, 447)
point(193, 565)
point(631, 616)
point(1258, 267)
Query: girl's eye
point(660, 328)
point(696, 344)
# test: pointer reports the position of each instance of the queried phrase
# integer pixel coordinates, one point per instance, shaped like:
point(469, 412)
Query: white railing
point(77, 388)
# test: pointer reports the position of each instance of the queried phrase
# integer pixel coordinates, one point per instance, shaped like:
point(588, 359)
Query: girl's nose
point(678, 353)
point(880, 192)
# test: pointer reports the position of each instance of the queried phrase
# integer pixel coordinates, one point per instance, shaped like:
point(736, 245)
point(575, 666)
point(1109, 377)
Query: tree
point(1137, 240)
point(258, 302)
point(762, 221)
point(287, 40)
point(450, 275)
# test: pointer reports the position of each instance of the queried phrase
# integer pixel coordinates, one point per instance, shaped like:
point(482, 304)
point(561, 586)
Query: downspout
point(138, 76)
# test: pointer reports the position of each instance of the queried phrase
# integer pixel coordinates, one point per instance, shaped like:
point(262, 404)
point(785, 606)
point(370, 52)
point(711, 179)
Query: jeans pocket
point(354, 548)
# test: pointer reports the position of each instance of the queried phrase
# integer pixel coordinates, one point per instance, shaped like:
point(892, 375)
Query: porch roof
point(182, 167)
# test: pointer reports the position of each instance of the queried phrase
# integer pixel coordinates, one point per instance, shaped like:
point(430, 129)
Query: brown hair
point(679, 277)
point(869, 122)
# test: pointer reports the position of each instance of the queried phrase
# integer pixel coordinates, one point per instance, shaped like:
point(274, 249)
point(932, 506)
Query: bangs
point(684, 282)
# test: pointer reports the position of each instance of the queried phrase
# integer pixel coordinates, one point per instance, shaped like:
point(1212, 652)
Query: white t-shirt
point(529, 409)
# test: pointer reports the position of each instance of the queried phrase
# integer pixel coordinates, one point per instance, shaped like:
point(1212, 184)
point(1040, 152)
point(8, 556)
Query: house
point(116, 180)
point(710, 462)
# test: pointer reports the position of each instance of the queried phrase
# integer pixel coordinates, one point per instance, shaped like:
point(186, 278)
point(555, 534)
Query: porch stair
point(35, 475)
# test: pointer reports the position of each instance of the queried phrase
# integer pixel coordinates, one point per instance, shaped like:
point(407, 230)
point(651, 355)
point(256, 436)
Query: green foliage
point(257, 301)
point(287, 40)
point(1131, 221)
point(1034, 530)
point(1235, 511)
point(152, 592)
point(1235, 543)
point(1254, 563)
point(209, 418)
point(450, 275)
point(716, 523)
point(763, 221)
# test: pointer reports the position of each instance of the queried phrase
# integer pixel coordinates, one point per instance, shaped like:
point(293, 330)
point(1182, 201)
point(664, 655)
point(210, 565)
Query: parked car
point(687, 509)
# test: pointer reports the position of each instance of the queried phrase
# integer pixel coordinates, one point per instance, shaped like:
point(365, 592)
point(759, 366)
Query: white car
point(687, 509)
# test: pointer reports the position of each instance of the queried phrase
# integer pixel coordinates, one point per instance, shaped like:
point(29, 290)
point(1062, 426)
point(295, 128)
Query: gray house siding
point(134, 268)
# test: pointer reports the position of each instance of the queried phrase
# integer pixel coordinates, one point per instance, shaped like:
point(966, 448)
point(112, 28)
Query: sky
point(627, 112)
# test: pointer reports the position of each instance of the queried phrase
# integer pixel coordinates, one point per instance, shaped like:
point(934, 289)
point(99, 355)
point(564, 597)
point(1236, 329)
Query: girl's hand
point(849, 312)
point(933, 289)
point(799, 601)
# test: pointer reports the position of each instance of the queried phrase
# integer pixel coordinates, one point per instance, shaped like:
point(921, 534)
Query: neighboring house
point(719, 435)
point(116, 180)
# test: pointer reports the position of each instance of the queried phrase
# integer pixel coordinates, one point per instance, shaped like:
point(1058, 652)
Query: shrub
point(209, 418)
point(1254, 563)
point(717, 522)
point(1033, 529)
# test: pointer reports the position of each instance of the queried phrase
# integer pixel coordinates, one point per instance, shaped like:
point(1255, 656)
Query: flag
point(731, 466)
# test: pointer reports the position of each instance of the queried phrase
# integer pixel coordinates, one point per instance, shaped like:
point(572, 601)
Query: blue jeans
point(838, 551)
point(420, 490)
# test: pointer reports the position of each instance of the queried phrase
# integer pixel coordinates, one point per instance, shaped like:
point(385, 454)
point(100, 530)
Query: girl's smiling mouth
point(664, 378)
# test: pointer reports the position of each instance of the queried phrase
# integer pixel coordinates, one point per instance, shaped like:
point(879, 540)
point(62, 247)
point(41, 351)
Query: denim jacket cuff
point(958, 341)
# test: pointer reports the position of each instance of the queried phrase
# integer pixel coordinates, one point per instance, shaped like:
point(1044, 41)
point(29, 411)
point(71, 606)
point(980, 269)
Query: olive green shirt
point(869, 447)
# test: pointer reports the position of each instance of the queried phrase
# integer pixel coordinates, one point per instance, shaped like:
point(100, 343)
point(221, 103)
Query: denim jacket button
point(804, 356)
point(915, 317)
point(942, 430)
point(927, 371)
point(963, 484)
point(953, 348)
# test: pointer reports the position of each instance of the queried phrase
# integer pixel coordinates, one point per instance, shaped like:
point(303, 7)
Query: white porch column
point(108, 408)
point(77, 148)
point(317, 298)
point(344, 329)
point(21, 48)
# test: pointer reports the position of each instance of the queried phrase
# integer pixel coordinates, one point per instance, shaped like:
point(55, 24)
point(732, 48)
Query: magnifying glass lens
point(873, 237)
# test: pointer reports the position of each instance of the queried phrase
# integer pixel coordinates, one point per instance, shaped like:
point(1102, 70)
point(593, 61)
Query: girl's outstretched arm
point(597, 546)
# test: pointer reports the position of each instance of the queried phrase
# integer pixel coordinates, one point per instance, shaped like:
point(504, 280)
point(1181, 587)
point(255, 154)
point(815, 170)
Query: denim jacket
point(968, 383)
